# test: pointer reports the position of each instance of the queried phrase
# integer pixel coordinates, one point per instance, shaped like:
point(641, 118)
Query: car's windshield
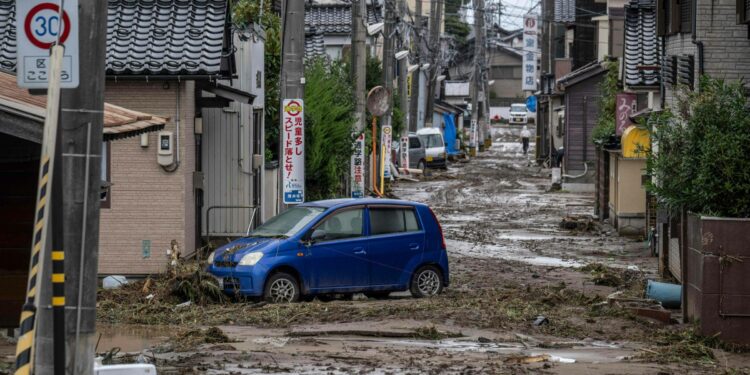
point(518, 108)
point(432, 140)
point(287, 223)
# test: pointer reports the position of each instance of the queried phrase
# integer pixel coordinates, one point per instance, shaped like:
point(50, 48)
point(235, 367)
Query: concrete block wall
point(726, 44)
point(147, 202)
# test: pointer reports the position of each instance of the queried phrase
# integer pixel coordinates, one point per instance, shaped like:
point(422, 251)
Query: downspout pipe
point(698, 43)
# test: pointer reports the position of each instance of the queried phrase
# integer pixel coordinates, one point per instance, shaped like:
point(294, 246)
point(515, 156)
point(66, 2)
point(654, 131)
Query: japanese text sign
point(386, 141)
point(293, 146)
point(626, 105)
point(530, 48)
point(358, 167)
point(39, 26)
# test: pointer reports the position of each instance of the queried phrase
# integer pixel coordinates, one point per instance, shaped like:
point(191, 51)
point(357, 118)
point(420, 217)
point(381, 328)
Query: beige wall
point(148, 203)
point(631, 195)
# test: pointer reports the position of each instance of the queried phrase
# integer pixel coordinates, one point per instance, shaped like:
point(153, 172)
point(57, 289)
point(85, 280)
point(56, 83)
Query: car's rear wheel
point(427, 281)
point(421, 166)
point(282, 288)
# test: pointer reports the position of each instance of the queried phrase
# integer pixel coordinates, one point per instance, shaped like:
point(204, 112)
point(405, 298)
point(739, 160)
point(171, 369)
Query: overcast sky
point(513, 11)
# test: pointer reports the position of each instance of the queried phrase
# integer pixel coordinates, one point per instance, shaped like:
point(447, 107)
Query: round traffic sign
point(42, 25)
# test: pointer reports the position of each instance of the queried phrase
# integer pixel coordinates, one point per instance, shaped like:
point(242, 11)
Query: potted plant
point(701, 165)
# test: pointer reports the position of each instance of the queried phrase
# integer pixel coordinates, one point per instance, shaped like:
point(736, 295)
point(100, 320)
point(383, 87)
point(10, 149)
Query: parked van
point(518, 114)
point(434, 144)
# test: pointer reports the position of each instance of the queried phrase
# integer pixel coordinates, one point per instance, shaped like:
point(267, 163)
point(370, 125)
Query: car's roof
point(329, 203)
point(428, 131)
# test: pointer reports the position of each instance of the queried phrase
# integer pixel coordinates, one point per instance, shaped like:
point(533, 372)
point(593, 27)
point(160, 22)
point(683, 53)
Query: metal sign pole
point(25, 346)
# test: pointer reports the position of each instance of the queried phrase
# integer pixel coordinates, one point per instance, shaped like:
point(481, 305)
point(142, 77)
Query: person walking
point(525, 135)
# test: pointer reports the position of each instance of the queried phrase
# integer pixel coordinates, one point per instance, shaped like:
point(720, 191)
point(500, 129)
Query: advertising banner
point(293, 143)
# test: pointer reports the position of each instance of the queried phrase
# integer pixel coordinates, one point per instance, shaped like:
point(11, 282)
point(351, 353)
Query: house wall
point(147, 202)
point(506, 87)
point(726, 44)
point(19, 168)
point(581, 111)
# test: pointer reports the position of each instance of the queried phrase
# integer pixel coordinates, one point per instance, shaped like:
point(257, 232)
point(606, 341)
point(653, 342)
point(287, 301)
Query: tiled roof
point(641, 43)
point(337, 18)
point(149, 37)
point(332, 18)
point(119, 122)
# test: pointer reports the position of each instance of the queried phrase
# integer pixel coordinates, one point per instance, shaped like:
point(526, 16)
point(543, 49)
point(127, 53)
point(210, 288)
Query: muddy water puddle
point(130, 338)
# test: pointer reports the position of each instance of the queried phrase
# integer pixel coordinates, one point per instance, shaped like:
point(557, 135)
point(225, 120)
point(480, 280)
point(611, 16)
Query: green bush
point(605, 125)
point(329, 120)
point(702, 161)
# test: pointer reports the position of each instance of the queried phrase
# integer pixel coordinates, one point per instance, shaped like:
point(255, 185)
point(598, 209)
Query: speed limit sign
point(39, 25)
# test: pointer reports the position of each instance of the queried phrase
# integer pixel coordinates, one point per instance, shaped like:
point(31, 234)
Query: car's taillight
point(440, 229)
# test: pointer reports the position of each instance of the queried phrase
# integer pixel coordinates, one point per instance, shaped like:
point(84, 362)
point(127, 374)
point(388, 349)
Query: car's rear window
point(414, 142)
point(386, 220)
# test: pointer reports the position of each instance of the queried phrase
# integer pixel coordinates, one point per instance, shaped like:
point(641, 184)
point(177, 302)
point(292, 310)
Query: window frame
point(420, 225)
point(322, 221)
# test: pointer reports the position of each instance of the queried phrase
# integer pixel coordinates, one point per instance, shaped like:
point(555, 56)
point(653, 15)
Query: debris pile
point(582, 223)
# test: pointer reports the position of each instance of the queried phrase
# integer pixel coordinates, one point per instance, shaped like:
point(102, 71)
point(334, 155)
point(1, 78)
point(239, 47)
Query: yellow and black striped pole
point(25, 345)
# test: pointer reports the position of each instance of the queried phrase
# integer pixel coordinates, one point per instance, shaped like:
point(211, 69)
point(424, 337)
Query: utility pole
point(389, 46)
point(82, 118)
point(436, 16)
point(414, 104)
point(403, 71)
point(359, 63)
point(292, 67)
point(476, 113)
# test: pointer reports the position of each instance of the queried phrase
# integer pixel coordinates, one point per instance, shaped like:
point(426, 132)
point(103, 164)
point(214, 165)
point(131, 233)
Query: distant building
point(328, 27)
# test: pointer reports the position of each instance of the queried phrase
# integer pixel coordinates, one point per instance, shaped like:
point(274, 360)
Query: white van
point(435, 155)
point(518, 114)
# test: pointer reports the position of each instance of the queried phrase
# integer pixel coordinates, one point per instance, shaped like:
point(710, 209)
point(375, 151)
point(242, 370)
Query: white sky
point(513, 11)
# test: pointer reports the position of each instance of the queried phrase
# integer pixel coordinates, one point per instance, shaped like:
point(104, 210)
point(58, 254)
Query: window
point(674, 16)
point(387, 220)
point(506, 72)
point(106, 177)
point(432, 140)
point(743, 11)
point(343, 224)
point(414, 143)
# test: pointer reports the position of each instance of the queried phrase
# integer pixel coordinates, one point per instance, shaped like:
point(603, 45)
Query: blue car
point(374, 246)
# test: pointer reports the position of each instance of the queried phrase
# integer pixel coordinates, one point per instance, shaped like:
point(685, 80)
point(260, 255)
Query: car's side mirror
point(318, 235)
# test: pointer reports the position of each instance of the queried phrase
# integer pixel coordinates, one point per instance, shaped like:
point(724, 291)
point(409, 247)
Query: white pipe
point(585, 171)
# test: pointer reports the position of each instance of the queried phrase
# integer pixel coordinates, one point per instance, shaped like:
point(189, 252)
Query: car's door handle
point(359, 251)
point(413, 246)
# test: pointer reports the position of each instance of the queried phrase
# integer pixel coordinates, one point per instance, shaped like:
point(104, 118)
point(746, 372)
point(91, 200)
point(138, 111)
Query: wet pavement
point(510, 262)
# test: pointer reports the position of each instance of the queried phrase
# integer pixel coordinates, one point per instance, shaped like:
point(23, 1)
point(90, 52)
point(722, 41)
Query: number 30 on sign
point(39, 26)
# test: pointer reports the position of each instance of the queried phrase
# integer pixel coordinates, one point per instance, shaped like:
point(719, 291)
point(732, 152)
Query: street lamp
point(440, 78)
point(425, 66)
point(400, 55)
point(491, 82)
point(413, 67)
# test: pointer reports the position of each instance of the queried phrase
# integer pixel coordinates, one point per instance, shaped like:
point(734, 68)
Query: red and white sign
point(39, 26)
point(627, 105)
point(358, 167)
point(293, 147)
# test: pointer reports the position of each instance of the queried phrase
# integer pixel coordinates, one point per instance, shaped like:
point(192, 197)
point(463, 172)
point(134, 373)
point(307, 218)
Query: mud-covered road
point(511, 266)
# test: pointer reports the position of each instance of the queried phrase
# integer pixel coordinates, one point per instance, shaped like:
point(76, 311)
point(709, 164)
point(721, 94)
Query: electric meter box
point(166, 149)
